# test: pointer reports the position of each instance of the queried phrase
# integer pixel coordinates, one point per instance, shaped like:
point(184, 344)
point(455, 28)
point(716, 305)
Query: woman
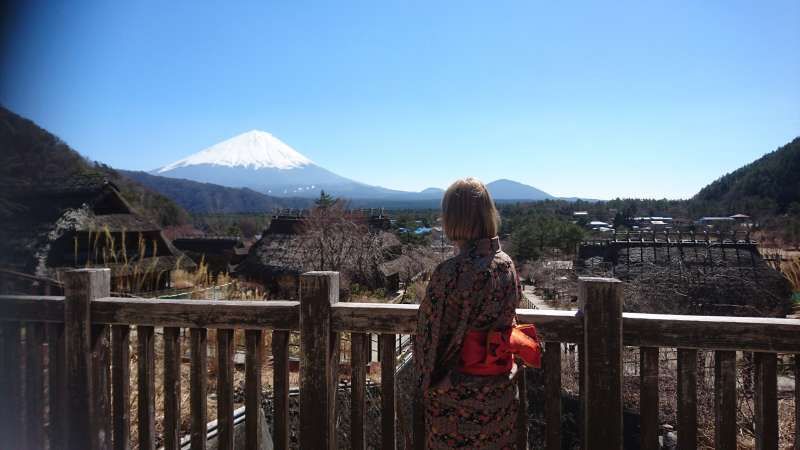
point(468, 389)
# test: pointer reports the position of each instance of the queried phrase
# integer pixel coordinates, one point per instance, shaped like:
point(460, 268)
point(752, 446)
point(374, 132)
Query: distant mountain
point(770, 184)
point(31, 157)
point(260, 161)
point(511, 190)
point(207, 198)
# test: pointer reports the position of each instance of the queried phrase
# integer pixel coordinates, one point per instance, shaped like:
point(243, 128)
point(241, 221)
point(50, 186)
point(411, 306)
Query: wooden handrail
point(78, 324)
point(758, 334)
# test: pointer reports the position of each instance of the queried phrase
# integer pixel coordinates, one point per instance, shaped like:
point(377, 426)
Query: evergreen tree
point(325, 200)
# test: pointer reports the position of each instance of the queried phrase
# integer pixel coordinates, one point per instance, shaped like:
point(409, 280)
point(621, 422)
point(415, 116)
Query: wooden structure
point(85, 338)
point(86, 223)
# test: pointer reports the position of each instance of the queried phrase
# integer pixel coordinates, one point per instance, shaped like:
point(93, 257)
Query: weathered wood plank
point(280, 381)
point(273, 314)
point(254, 357)
point(34, 385)
point(601, 302)
point(172, 388)
point(101, 387)
point(648, 397)
point(198, 387)
point(358, 379)
point(56, 385)
point(725, 399)
point(225, 388)
point(796, 403)
point(146, 377)
point(766, 401)
point(120, 382)
point(81, 287)
point(712, 332)
point(522, 412)
point(687, 399)
point(318, 291)
point(554, 325)
point(11, 385)
point(552, 395)
point(388, 396)
point(641, 330)
point(563, 326)
point(32, 308)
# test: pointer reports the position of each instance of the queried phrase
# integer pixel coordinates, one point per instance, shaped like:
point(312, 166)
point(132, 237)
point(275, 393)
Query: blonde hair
point(468, 211)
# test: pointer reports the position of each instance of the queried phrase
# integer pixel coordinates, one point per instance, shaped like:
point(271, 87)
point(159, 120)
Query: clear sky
point(614, 98)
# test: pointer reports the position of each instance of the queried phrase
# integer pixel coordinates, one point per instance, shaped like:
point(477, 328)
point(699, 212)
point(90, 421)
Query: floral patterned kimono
point(476, 290)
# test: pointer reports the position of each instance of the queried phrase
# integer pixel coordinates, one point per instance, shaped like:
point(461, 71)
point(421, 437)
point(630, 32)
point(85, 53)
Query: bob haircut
point(468, 211)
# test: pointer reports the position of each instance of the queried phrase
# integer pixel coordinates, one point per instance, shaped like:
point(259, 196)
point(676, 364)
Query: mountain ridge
point(259, 161)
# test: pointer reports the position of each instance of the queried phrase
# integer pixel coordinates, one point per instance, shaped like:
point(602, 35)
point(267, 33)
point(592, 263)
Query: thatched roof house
point(285, 252)
point(717, 278)
point(85, 222)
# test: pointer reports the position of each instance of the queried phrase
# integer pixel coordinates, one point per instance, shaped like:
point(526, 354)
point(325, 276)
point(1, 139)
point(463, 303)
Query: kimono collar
point(482, 247)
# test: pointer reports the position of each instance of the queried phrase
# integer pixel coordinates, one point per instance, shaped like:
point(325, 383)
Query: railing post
point(80, 288)
point(318, 291)
point(601, 306)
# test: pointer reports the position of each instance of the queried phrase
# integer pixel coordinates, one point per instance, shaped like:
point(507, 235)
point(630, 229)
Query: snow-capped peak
point(254, 149)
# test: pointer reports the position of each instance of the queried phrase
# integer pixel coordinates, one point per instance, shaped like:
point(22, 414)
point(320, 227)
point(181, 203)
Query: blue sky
point(603, 99)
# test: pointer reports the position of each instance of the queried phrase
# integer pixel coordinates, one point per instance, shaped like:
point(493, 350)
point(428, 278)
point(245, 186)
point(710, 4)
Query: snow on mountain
point(260, 161)
point(254, 149)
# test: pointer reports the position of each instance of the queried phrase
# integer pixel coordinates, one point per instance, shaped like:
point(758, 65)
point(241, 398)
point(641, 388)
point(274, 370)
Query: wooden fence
point(83, 339)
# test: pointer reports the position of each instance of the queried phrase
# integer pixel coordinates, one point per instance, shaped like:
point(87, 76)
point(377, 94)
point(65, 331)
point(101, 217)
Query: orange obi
point(491, 352)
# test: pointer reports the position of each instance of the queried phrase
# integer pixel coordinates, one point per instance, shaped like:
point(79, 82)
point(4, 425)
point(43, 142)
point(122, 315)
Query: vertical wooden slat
point(11, 385)
point(687, 399)
point(725, 399)
point(522, 412)
point(601, 303)
point(225, 388)
point(252, 386)
point(172, 388)
point(280, 394)
point(552, 395)
point(358, 343)
point(56, 385)
point(101, 387)
point(388, 414)
point(318, 291)
point(80, 287)
point(648, 397)
point(146, 376)
point(120, 382)
point(198, 387)
point(766, 401)
point(34, 385)
point(581, 394)
point(796, 403)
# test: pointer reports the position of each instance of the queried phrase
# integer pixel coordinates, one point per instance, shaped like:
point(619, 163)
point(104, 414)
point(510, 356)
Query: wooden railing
point(83, 339)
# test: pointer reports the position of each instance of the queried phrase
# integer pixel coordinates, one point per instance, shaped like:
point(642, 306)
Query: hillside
point(207, 198)
point(33, 157)
point(769, 185)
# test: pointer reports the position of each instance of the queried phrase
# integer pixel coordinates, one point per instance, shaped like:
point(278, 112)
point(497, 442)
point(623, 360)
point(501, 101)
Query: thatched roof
point(60, 226)
point(698, 279)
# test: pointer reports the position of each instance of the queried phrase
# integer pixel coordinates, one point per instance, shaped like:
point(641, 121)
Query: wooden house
point(84, 223)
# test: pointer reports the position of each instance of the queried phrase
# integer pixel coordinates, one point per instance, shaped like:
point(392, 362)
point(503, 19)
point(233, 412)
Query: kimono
point(476, 290)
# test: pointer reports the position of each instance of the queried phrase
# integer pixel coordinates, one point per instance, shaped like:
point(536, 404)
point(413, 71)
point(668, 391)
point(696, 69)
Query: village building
point(220, 254)
point(715, 277)
point(288, 248)
point(84, 223)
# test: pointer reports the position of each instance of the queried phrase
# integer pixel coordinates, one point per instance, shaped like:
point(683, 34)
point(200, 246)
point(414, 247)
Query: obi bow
point(491, 352)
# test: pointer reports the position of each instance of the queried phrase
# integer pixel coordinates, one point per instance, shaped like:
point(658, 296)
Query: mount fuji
point(262, 162)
